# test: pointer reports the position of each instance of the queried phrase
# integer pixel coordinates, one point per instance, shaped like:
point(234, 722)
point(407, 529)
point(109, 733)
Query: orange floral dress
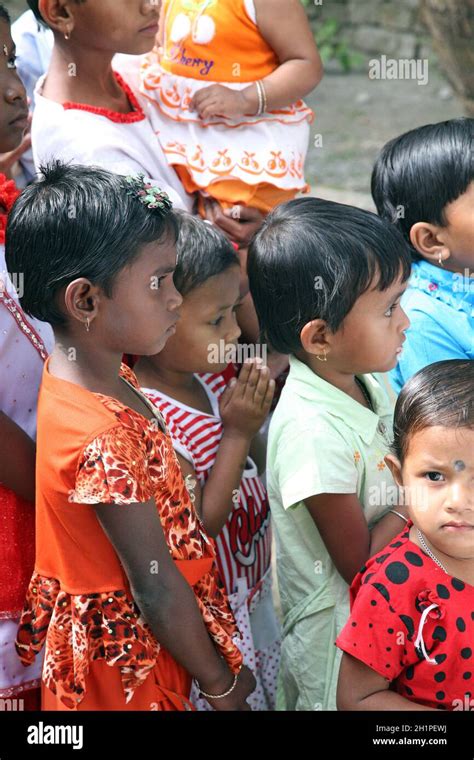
point(100, 652)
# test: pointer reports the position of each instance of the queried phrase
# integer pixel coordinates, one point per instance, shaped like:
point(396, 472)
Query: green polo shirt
point(320, 441)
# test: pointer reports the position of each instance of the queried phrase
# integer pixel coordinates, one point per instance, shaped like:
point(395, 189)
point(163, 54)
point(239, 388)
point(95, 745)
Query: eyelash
point(433, 472)
point(160, 280)
point(12, 60)
point(391, 309)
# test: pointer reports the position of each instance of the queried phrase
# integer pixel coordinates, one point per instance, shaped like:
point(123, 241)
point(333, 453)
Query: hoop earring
point(322, 358)
point(88, 326)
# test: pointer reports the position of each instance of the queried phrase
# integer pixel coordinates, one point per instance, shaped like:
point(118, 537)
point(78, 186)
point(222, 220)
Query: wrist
point(242, 438)
point(218, 685)
point(250, 99)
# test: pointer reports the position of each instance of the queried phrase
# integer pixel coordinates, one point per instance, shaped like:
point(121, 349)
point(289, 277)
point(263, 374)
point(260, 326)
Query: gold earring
point(322, 358)
point(440, 260)
point(88, 326)
point(67, 36)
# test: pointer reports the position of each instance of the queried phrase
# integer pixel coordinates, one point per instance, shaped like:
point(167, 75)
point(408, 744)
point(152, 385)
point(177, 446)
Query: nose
point(405, 322)
point(151, 6)
point(175, 299)
point(14, 89)
point(459, 497)
point(234, 332)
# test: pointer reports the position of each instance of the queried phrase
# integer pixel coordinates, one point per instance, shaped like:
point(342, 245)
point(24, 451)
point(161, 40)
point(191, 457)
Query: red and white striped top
point(244, 543)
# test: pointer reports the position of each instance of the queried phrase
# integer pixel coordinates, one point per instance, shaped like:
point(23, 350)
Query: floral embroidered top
point(440, 306)
point(414, 625)
point(92, 449)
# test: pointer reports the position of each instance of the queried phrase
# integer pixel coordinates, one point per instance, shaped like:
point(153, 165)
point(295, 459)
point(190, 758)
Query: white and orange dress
point(253, 160)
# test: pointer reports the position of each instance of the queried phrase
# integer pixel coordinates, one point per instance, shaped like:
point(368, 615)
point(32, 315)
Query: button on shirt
point(320, 441)
point(440, 306)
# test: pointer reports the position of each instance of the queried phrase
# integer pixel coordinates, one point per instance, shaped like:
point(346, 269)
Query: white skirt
point(270, 148)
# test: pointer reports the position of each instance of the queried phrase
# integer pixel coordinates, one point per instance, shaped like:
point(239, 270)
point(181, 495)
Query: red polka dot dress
point(414, 624)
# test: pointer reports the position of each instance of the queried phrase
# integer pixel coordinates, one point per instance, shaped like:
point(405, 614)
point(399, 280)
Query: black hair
point(77, 221)
point(418, 173)
point(203, 252)
point(4, 14)
point(313, 259)
point(439, 394)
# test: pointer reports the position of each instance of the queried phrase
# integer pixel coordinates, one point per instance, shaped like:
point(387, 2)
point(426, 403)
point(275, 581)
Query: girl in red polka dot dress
point(409, 642)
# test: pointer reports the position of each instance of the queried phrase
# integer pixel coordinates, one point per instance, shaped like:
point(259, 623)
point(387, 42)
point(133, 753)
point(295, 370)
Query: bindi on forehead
point(459, 465)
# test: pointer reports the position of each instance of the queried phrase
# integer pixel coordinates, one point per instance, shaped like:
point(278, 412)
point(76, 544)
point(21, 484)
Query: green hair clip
point(151, 197)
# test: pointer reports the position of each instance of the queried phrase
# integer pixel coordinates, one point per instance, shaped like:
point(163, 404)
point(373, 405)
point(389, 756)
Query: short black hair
point(309, 238)
point(439, 394)
point(418, 173)
point(4, 14)
point(77, 221)
point(203, 252)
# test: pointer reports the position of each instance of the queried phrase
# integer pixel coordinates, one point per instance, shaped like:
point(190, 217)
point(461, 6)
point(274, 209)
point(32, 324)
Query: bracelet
point(264, 96)
point(260, 98)
point(220, 696)
point(399, 515)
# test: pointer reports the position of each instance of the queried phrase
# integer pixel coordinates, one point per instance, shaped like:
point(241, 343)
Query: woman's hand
point(237, 699)
point(218, 100)
point(246, 401)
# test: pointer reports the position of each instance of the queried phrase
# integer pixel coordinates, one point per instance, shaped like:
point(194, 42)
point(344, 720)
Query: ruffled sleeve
point(118, 467)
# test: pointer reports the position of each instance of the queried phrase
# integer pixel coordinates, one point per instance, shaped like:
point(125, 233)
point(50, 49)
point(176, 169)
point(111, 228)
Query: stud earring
point(67, 36)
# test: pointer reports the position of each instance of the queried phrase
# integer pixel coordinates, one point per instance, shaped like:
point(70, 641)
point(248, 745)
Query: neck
point(93, 82)
point(152, 373)
point(80, 361)
point(462, 568)
point(344, 381)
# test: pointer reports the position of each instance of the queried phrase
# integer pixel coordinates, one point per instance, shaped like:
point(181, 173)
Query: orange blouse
point(214, 40)
point(92, 449)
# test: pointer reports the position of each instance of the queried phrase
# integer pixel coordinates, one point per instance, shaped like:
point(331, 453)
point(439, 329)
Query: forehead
point(220, 290)
point(448, 445)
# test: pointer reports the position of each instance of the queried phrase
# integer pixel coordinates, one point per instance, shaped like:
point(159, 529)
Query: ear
point(313, 337)
point(429, 240)
point(395, 467)
point(82, 299)
point(58, 15)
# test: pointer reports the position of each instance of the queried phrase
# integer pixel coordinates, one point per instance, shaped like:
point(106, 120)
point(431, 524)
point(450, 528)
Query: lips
point(458, 525)
point(19, 118)
point(151, 28)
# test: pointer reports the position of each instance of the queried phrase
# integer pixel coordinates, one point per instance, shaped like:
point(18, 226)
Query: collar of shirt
point(453, 288)
point(306, 384)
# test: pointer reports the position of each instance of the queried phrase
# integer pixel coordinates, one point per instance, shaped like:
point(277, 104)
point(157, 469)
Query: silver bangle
point(399, 515)
point(220, 696)
point(260, 98)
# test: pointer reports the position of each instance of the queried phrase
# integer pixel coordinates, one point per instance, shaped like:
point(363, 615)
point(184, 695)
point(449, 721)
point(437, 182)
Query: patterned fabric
point(131, 461)
point(244, 543)
point(414, 625)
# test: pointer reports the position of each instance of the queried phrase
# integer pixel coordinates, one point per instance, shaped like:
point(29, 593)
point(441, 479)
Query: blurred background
point(354, 114)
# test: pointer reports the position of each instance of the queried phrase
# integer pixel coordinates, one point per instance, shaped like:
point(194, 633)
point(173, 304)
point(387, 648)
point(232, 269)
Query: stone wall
point(390, 27)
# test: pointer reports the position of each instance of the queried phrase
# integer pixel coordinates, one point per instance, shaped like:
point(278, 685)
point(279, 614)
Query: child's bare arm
point(284, 25)
point(361, 688)
point(17, 459)
point(341, 523)
point(166, 600)
point(243, 406)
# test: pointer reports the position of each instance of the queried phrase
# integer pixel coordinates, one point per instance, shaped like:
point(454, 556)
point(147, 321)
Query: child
point(327, 280)
point(122, 563)
point(215, 433)
point(423, 182)
point(408, 641)
point(85, 112)
point(225, 90)
point(24, 346)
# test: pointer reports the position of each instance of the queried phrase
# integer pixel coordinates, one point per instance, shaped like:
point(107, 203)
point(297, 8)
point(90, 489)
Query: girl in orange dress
point(125, 596)
point(225, 85)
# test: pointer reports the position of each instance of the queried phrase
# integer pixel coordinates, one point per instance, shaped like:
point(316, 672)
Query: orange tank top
point(214, 40)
